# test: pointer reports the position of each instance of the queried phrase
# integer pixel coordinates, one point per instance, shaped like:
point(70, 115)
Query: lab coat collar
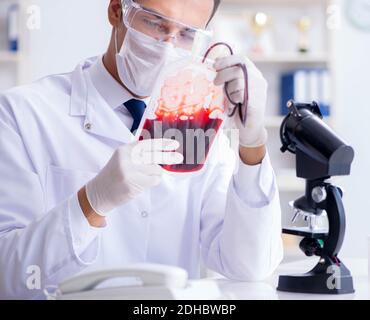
point(100, 118)
point(108, 87)
point(79, 90)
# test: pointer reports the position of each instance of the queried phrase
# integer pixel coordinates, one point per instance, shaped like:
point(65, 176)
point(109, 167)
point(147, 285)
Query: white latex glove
point(132, 169)
point(253, 134)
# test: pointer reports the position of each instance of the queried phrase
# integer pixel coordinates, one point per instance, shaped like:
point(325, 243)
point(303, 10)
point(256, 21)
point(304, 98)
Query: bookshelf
point(10, 61)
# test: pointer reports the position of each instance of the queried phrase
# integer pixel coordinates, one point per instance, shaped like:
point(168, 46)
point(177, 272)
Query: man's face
point(193, 13)
point(182, 17)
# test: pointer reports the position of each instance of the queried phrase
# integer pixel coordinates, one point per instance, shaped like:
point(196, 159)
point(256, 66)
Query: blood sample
point(190, 109)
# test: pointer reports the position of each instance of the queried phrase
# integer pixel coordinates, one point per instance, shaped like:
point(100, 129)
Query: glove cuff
point(92, 197)
point(260, 141)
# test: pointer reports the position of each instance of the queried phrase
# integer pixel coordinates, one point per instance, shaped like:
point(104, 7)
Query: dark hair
point(215, 7)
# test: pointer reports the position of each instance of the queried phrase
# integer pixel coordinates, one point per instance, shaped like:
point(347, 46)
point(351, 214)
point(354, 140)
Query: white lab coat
point(55, 135)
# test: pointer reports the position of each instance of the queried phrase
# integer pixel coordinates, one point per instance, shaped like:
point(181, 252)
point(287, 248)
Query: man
point(74, 197)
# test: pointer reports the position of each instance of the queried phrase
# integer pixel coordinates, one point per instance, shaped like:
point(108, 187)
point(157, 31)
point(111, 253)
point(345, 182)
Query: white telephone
point(153, 282)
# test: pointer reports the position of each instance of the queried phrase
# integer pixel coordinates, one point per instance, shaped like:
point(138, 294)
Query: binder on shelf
point(325, 91)
point(13, 27)
point(306, 85)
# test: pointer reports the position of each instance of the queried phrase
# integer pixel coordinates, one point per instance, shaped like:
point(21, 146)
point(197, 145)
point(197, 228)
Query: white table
point(267, 290)
point(217, 287)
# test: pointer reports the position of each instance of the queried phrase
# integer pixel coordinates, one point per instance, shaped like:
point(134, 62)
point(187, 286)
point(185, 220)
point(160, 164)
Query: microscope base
point(330, 280)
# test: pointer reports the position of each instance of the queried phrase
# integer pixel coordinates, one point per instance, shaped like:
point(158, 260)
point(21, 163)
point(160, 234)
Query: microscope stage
point(307, 232)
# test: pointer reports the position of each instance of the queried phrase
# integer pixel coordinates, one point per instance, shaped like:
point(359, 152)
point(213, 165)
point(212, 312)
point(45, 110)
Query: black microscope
point(320, 155)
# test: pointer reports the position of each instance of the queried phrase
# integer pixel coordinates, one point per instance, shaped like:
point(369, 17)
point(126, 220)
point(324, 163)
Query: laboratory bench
point(215, 287)
point(267, 290)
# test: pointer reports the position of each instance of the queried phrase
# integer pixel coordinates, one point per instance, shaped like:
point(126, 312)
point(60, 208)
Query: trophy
point(304, 26)
point(262, 40)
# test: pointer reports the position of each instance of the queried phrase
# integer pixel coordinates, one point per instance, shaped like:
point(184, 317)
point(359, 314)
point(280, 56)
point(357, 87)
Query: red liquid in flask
point(194, 150)
point(191, 104)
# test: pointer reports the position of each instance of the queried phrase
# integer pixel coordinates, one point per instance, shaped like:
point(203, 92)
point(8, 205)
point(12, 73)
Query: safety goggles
point(164, 29)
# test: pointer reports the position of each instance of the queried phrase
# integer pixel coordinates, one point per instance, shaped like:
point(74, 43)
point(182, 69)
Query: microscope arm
point(337, 221)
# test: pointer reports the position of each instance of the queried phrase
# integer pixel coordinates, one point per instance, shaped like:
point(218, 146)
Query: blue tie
point(136, 109)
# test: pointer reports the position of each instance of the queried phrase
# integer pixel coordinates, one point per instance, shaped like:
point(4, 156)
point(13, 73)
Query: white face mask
point(141, 60)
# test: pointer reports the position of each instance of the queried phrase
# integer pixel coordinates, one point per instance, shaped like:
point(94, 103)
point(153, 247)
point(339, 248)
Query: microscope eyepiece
point(320, 153)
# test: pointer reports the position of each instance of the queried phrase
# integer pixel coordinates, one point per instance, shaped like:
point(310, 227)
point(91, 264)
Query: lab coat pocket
point(62, 183)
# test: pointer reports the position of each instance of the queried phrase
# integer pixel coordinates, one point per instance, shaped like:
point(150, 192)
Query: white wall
point(352, 64)
point(70, 31)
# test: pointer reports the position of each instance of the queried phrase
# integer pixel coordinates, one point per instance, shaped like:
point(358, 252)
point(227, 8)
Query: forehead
point(195, 13)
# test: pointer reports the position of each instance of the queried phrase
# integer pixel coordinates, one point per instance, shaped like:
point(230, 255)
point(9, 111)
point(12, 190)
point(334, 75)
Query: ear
point(115, 13)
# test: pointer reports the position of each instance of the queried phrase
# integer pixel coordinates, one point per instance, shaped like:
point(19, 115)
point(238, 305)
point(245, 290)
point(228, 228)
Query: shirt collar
point(108, 87)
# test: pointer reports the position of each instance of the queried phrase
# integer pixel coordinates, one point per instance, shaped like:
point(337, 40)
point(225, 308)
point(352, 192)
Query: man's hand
point(252, 136)
point(132, 169)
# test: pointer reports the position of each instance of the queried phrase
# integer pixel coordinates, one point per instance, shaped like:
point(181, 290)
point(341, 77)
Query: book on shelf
point(306, 85)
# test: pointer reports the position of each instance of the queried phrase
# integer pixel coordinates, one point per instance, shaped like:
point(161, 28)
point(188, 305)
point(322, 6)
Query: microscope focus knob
point(319, 194)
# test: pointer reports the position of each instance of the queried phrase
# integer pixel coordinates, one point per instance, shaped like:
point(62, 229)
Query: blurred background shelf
point(290, 58)
point(274, 122)
point(10, 57)
point(7, 56)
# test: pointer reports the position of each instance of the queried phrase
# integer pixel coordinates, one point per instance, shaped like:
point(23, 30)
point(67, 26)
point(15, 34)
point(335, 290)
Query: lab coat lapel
point(100, 118)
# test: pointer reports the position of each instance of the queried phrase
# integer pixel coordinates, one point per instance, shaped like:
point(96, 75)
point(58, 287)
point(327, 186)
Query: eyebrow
point(162, 17)
point(154, 12)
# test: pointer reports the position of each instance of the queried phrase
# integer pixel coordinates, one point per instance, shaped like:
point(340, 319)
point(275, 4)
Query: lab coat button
point(88, 126)
point(144, 214)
